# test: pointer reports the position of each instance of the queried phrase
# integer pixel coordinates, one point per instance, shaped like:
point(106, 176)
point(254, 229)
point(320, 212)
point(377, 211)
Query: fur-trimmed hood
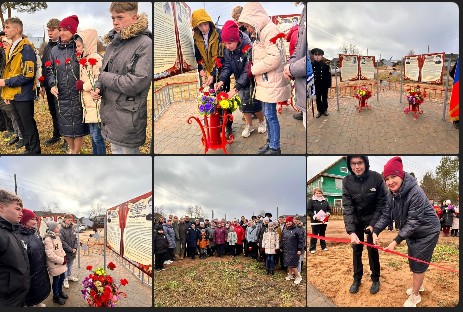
point(140, 27)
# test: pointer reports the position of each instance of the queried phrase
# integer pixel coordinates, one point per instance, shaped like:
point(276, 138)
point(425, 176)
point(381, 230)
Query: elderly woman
point(417, 222)
point(62, 74)
point(318, 206)
point(292, 245)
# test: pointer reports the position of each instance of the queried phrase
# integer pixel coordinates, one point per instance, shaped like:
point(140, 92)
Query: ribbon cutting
point(346, 240)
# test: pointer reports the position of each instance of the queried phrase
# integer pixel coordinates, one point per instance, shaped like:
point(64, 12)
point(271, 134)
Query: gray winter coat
point(182, 229)
point(298, 61)
point(68, 237)
point(170, 234)
point(411, 210)
point(124, 81)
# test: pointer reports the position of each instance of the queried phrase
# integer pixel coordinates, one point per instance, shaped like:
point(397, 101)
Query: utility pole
point(277, 213)
point(15, 185)
point(428, 48)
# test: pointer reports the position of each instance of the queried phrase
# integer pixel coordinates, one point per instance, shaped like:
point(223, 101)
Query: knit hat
point(230, 32)
point(27, 215)
point(289, 219)
point(394, 166)
point(52, 225)
point(70, 23)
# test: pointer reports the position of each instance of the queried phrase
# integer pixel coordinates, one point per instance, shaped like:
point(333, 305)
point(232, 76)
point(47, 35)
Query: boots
point(59, 300)
point(272, 272)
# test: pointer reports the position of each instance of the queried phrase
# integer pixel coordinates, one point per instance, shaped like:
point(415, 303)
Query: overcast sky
point(224, 9)
point(91, 15)
point(234, 186)
point(85, 180)
point(416, 164)
point(391, 29)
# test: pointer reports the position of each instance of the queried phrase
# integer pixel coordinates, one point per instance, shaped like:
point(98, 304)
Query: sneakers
point(19, 144)
point(247, 131)
point(40, 305)
point(52, 141)
point(65, 283)
point(412, 301)
point(325, 249)
point(312, 251)
point(272, 151)
point(168, 262)
point(72, 278)
point(262, 127)
point(289, 277)
point(409, 291)
point(298, 280)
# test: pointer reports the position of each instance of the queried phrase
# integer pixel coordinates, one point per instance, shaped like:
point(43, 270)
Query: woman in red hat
point(418, 224)
point(292, 246)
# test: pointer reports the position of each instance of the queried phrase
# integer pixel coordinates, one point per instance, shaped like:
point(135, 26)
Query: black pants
point(3, 121)
point(8, 121)
point(192, 252)
point(171, 254)
point(220, 249)
point(373, 256)
point(159, 261)
point(52, 110)
point(23, 113)
point(239, 249)
point(322, 98)
point(252, 250)
point(320, 230)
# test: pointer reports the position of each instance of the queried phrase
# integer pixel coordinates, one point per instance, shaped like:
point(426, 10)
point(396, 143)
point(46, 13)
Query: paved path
point(173, 135)
point(384, 129)
point(316, 298)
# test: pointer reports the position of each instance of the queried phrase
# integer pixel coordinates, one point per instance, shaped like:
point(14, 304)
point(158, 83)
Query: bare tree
point(189, 211)
point(159, 210)
point(21, 7)
point(198, 212)
point(349, 48)
point(96, 209)
point(50, 207)
point(411, 52)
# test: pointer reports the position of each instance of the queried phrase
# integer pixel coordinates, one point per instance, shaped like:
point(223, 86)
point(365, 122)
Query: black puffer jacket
point(68, 106)
point(363, 197)
point(235, 63)
point(161, 244)
point(14, 266)
point(411, 210)
point(292, 241)
point(447, 215)
point(314, 206)
point(68, 236)
point(40, 281)
point(45, 58)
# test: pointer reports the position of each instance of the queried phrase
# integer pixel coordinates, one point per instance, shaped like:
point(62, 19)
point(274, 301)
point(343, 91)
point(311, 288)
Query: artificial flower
point(67, 60)
point(41, 79)
point(246, 48)
point(111, 266)
point(83, 61)
point(92, 61)
point(57, 62)
point(89, 267)
point(48, 64)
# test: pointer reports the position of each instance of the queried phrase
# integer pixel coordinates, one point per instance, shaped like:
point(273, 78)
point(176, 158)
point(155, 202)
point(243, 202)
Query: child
point(237, 63)
point(270, 243)
point(161, 246)
point(56, 261)
point(203, 242)
point(232, 239)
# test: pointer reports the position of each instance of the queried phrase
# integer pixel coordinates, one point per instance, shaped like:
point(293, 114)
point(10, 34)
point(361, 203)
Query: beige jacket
point(270, 242)
point(55, 254)
point(266, 57)
point(89, 74)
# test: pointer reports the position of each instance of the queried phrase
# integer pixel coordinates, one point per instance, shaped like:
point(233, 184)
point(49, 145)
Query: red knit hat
point(394, 166)
point(27, 215)
point(230, 32)
point(70, 23)
point(289, 219)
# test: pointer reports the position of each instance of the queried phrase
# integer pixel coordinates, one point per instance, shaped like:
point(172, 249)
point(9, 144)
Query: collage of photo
point(359, 107)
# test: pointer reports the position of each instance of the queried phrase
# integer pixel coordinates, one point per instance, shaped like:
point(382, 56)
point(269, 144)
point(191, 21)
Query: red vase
point(214, 129)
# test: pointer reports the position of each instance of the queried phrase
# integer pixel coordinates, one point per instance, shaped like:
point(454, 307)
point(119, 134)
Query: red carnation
point(278, 36)
point(206, 93)
point(68, 60)
point(246, 48)
point(92, 61)
point(218, 64)
point(201, 89)
point(101, 278)
point(89, 267)
point(78, 54)
point(124, 282)
point(57, 62)
point(95, 278)
point(222, 96)
point(48, 64)
point(111, 266)
point(41, 79)
point(83, 61)
point(80, 87)
point(109, 279)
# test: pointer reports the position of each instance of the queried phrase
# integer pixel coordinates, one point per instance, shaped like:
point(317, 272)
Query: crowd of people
point(280, 242)
point(104, 96)
point(243, 48)
point(30, 261)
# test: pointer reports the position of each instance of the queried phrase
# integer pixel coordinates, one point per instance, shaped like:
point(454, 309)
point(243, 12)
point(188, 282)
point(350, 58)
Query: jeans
point(69, 267)
point(58, 285)
point(273, 125)
point(270, 262)
point(117, 149)
point(98, 145)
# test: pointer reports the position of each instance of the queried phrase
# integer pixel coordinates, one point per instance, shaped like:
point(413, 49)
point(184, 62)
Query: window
point(338, 184)
point(344, 169)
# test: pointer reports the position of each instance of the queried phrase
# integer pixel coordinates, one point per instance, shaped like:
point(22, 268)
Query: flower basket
point(362, 94)
point(216, 111)
point(415, 98)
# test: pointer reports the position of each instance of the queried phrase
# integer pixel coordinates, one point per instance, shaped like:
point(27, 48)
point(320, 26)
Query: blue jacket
point(192, 237)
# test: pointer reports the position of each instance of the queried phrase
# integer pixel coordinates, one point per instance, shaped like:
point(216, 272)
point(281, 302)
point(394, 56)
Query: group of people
point(371, 202)
point(104, 96)
point(273, 242)
point(449, 216)
point(243, 48)
point(30, 261)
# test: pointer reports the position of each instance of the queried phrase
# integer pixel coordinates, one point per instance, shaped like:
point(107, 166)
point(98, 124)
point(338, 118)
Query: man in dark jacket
point(69, 240)
point(53, 35)
point(364, 198)
point(14, 263)
point(160, 247)
point(322, 80)
point(182, 229)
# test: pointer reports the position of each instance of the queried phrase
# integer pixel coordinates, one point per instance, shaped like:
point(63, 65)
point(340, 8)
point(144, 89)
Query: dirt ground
point(331, 273)
point(225, 282)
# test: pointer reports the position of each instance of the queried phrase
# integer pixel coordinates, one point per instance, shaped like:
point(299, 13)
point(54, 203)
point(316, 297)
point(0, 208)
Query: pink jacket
point(55, 254)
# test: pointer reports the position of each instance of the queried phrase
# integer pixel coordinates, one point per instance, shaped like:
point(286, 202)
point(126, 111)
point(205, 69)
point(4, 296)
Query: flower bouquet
point(415, 98)
point(362, 94)
point(100, 289)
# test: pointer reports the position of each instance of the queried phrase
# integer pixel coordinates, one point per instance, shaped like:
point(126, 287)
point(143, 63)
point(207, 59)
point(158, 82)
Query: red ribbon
point(346, 240)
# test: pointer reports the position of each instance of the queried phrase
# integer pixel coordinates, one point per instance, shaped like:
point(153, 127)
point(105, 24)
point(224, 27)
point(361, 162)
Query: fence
point(173, 92)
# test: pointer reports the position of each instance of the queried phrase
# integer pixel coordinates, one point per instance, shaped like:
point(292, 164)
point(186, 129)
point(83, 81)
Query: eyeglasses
point(359, 163)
